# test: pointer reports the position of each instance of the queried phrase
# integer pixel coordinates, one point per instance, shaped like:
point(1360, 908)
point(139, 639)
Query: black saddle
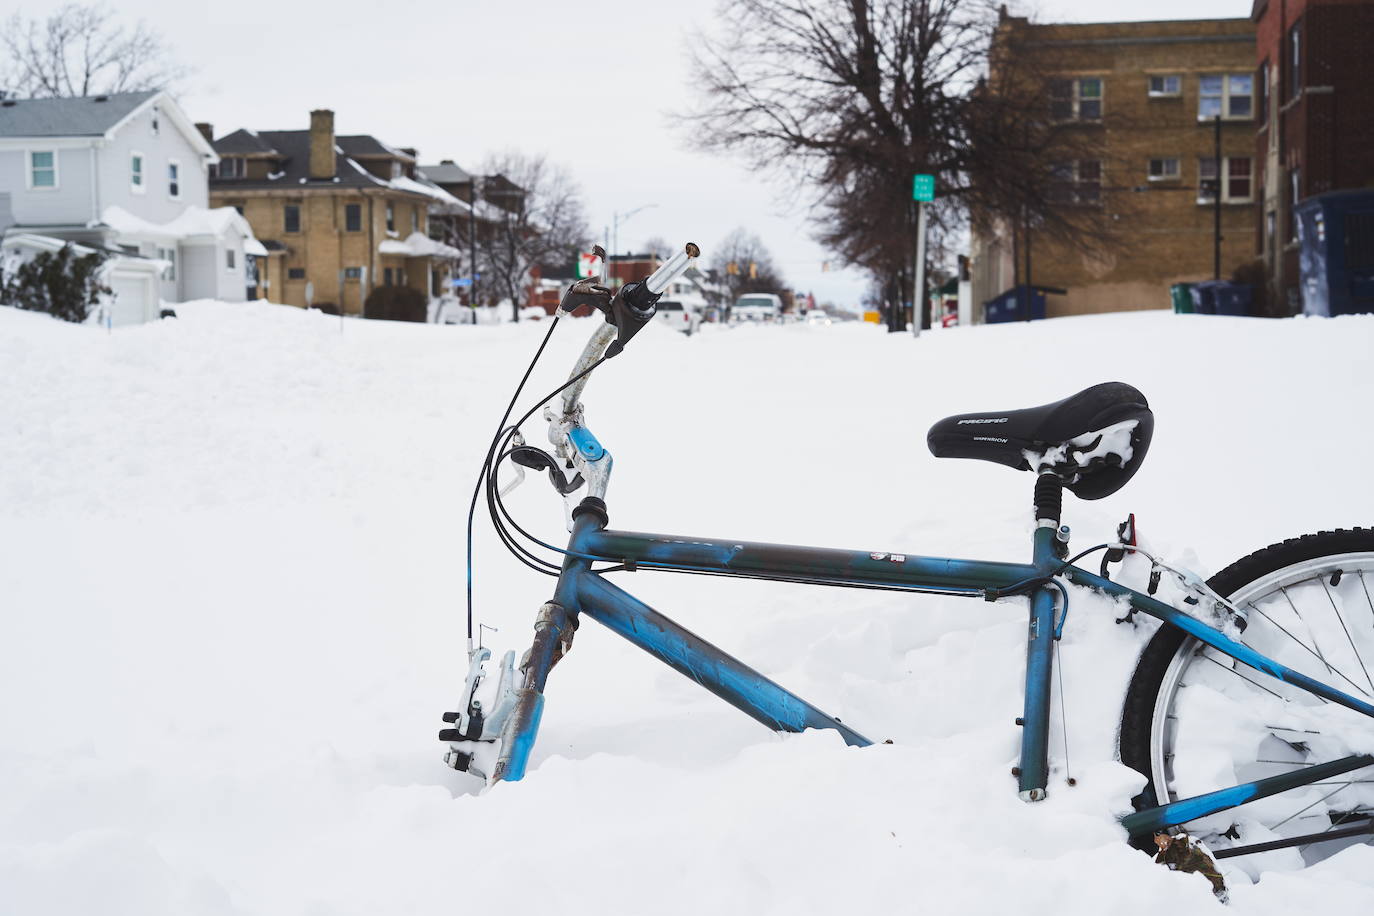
point(1095, 440)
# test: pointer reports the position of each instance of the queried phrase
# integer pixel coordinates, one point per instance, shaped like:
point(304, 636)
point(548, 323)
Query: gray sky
point(589, 84)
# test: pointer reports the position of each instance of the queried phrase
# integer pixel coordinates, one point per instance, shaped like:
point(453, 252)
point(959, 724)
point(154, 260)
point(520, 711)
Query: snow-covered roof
point(424, 187)
point(193, 221)
point(418, 246)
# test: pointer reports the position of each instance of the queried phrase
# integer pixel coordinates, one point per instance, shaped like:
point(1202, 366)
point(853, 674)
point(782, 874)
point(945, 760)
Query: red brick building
point(1315, 82)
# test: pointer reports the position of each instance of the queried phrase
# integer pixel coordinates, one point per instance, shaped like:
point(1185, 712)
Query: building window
point(230, 167)
point(1262, 83)
point(170, 256)
point(1295, 60)
point(1076, 100)
point(229, 259)
point(173, 179)
point(1163, 87)
point(390, 218)
point(43, 169)
point(1236, 180)
point(293, 218)
point(1078, 182)
point(1294, 195)
point(1229, 95)
point(386, 277)
point(295, 273)
point(136, 172)
point(1164, 169)
point(353, 217)
point(415, 219)
point(353, 273)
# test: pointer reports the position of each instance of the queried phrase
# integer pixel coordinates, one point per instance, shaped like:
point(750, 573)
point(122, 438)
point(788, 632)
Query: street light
point(613, 235)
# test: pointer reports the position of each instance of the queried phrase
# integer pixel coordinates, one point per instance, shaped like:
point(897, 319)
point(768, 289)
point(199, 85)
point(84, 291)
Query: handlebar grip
point(670, 270)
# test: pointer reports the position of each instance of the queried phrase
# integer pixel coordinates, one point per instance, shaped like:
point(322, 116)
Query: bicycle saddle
point(1094, 440)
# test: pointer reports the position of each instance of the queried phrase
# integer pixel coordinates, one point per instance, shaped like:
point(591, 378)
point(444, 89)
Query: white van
point(756, 307)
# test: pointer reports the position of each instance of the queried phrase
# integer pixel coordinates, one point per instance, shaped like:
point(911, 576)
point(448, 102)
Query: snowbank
point(233, 590)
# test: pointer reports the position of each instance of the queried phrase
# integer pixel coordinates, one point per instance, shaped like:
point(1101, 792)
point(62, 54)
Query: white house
point(125, 173)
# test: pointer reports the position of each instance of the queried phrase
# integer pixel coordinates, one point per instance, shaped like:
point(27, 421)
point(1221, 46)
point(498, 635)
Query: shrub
point(62, 283)
point(396, 303)
point(328, 308)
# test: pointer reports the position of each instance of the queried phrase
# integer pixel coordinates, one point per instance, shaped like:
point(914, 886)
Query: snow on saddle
point(1095, 440)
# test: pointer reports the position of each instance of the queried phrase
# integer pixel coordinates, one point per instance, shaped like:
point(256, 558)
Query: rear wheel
point(1195, 720)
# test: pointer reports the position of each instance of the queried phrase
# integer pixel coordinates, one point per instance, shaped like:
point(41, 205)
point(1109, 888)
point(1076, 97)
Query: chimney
point(322, 144)
point(206, 130)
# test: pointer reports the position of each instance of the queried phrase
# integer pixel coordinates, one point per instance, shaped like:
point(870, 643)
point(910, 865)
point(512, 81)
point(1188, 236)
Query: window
point(229, 263)
point(173, 179)
point(1294, 195)
point(353, 273)
point(43, 169)
point(1236, 180)
point(1078, 182)
point(414, 219)
point(390, 218)
point(1262, 81)
point(1229, 95)
point(292, 218)
point(136, 172)
point(230, 167)
point(1076, 100)
point(1164, 169)
point(1295, 60)
point(353, 217)
point(386, 277)
point(1166, 86)
point(170, 256)
point(295, 273)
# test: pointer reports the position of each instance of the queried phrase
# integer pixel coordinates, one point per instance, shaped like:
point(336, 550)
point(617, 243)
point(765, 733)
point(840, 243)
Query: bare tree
point(851, 99)
point(744, 264)
point(536, 217)
point(80, 50)
point(658, 247)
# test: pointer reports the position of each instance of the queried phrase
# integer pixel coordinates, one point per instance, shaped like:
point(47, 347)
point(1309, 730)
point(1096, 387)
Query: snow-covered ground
point(231, 574)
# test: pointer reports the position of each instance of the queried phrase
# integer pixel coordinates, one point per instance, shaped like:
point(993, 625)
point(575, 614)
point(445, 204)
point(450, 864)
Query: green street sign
point(923, 188)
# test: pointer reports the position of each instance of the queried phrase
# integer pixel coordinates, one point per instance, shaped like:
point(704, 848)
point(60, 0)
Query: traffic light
point(753, 271)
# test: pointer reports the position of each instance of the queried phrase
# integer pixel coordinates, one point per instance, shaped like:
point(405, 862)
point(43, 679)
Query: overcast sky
point(589, 84)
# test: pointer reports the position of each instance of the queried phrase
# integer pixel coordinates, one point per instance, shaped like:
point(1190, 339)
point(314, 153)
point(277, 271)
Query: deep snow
point(232, 588)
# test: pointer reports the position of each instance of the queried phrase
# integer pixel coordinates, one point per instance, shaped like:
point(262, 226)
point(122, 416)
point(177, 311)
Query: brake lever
point(519, 441)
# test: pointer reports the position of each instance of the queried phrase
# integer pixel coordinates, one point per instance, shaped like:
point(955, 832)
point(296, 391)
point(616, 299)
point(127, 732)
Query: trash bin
point(1020, 303)
point(1204, 297)
point(1181, 294)
point(1336, 258)
point(1233, 298)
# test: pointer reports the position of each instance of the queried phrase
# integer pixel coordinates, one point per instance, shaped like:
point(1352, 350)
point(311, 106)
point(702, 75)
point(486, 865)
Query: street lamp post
point(613, 235)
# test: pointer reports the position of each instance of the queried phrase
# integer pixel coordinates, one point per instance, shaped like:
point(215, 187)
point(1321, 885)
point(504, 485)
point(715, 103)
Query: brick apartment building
point(343, 214)
point(1148, 92)
point(1316, 130)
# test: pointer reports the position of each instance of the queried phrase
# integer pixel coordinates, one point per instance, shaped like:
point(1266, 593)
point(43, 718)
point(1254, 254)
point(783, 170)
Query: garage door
point(135, 298)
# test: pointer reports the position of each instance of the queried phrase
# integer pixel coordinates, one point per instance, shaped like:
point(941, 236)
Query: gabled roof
point(86, 116)
point(242, 141)
point(446, 173)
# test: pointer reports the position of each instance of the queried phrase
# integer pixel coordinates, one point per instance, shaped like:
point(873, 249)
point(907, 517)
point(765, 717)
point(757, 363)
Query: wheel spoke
point(1337, 611)
point(1315, 654)
point(1342, 787)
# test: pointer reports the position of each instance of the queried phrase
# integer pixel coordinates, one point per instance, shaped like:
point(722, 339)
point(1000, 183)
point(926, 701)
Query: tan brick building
point(339, 215)
point(1147, 93)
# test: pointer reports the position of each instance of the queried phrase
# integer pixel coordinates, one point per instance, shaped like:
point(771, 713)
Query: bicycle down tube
point(584, 592)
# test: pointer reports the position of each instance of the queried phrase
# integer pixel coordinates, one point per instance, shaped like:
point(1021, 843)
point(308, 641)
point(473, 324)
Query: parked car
point(681, 314)
point(756, 307)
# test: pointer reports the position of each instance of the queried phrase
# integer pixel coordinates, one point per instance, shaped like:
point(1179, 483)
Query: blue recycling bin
point(1233, 298)
point(1336, 254)
point(1020, 303)
point(1204, 297)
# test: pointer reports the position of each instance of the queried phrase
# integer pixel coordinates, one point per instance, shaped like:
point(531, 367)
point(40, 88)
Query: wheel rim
point(1209, 707)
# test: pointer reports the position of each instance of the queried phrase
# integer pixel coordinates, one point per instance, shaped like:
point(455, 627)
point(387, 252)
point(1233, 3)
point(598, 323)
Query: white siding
point(158, 149)
point(71, 202)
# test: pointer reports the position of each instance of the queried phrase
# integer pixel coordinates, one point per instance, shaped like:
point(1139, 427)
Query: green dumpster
point(1182, 296)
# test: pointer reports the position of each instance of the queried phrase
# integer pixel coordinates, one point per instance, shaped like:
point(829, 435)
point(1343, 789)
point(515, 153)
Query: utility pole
point(472, 242)
point(1216, 200)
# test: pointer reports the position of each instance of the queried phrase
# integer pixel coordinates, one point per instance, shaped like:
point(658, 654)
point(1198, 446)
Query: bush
point(328, 308)
point(396, 303)
point(61, 283)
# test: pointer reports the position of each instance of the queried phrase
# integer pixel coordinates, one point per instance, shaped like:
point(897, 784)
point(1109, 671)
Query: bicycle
point(1238, 739)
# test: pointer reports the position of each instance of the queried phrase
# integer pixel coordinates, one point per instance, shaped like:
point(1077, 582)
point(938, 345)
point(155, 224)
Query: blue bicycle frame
point(583, 592)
